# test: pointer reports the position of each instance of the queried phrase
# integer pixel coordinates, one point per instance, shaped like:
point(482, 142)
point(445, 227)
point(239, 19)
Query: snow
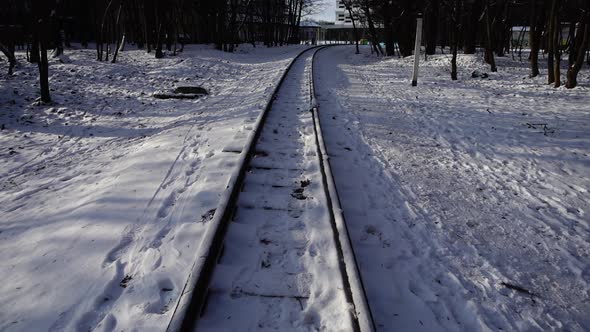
point(106, 193)
point(279, 269)
point(467, 200)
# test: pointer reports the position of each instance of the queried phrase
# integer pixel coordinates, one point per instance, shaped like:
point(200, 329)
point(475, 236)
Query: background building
point(342, 15)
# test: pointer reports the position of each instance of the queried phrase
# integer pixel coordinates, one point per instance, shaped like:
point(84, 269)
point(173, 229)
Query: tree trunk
point(388, 26)
point(121, 38)
point(456, 32)
point(489, 56)
point(44, 69)
point(159, 52)
point(571, 58)
point(431, 21)
point(572, 72)
point(59, 42)
point(56, 28)
point(40, 12)
point(501, 28)
point(372, 31)
point(11, 58)
point(534, 35)
point(34, 58)
point(355, 31)
point(556, 45)
point(471, 27)
point(406, 34)
point(101, 37)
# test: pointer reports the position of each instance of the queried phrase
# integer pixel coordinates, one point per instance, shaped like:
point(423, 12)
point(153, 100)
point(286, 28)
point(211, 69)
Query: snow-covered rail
point(278, 255)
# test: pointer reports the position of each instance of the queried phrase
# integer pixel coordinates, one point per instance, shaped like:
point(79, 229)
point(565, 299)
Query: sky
point(326, 11)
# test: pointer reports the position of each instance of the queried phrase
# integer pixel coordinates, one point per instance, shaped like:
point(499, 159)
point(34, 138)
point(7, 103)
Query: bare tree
point(554, 41)
point(348, 4)
point(40, 10)
point(535, 37)
point(11, 57)
point(456, 10)
point(582, 42)
point(489, 55)
point(368, 9)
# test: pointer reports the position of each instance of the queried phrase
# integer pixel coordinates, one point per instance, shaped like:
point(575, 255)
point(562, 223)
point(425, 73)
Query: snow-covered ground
point(106, 193)
point(468, 200)
point(279, 269)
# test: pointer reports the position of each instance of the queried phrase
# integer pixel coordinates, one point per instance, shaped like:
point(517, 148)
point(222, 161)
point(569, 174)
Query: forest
point(556, 27)
point(559, 30)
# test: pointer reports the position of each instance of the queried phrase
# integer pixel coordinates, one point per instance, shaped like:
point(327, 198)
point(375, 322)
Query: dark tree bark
point(582, 41)
point(84, 23)
point(11, 58)
point(432, 20)
point(535, 38)
point(101, 37)
point(555, 36)
point(388, 25)
point(44, 68)
point(348, 5)
point(372, 31)
point(571, 44)
point(473, 12)
point(34, 51)
point(456, 32)
point(501, 30)
point(160, 20)
point(120, 36)
point(41, 17)
point(406, 35)
point(159, 51)
point(489, 55)
point(150, 24)
point(57, 28)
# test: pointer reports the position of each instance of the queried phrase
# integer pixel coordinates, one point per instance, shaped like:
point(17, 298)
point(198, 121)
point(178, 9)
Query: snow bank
point(105, 193)
point(468, 200)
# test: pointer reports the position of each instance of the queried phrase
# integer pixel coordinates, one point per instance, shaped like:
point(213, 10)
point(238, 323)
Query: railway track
point(277, 254)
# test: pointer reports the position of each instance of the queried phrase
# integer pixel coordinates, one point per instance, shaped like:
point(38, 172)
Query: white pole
point(417, 49)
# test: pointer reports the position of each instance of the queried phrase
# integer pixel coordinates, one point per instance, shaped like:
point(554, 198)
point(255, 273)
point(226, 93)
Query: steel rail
point(194, 295)
point(348, 262)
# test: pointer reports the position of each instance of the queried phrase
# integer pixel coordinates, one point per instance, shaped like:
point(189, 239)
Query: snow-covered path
point(468, 201)
point(106, 194)
point(279, 269)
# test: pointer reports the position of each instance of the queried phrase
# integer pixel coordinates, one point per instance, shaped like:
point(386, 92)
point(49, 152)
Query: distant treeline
point(153, 24)
point(38, 25)
point(556, 27)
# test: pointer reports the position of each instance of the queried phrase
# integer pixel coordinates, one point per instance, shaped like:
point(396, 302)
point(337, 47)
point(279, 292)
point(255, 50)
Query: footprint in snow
point(167, 293)
point(118, 250)
point(167, 205)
